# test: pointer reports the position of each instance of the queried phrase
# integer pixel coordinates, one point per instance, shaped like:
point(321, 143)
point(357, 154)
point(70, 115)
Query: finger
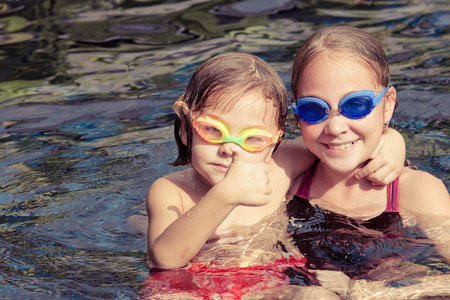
point(378, 174)
point(324, 273)
point(330, 277)
point(377, 177)
point(237, 158)
point(382, 177)
point(370, 168)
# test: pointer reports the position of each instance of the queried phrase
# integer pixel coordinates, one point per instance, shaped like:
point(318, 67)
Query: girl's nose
point(228, 149)
point(336, 124)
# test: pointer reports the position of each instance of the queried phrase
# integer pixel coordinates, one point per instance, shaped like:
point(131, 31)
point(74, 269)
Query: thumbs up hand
point(247, 183)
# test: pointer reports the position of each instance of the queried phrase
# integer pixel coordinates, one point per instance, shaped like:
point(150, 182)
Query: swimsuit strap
point(392, 196)
point(305, 185)
point(308, 178)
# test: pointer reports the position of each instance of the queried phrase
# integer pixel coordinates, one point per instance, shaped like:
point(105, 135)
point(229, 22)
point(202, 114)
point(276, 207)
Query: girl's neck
point(343, 193)
point(196, 183)
point(326, 174)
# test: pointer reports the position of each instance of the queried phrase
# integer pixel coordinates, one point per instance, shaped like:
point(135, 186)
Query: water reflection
point(86, 94)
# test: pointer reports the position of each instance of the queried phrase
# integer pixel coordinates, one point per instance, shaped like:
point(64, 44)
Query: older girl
point(344, 100)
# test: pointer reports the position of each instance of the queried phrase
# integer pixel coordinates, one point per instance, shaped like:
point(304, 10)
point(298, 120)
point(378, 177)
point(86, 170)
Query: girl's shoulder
point(423, 193)
point(416, 180)
point(174, 181)
point(170, 188)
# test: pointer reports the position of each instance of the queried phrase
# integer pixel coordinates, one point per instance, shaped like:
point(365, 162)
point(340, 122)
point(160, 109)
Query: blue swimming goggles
point(356, 105)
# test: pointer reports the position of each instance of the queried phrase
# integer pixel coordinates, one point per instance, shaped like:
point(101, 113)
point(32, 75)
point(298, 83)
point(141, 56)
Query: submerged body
point(241, 261)
point(334, 65)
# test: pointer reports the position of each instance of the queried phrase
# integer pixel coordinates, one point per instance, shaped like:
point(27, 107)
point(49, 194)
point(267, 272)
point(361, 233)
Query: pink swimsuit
point(305, 187)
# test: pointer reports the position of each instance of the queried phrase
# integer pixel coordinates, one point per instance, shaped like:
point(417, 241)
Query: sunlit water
point(86, 96)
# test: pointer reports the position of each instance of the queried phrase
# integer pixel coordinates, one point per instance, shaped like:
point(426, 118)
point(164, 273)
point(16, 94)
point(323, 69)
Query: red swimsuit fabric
point(202, 282)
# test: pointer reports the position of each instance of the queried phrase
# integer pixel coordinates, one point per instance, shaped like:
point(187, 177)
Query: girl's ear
point(389, 104)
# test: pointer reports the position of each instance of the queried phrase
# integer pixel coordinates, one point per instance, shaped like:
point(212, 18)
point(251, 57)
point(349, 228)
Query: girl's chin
point(216, 179)
point(342, 166)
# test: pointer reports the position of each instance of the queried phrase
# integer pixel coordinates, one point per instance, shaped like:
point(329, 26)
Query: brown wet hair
point(343, 39)
point(219, 83)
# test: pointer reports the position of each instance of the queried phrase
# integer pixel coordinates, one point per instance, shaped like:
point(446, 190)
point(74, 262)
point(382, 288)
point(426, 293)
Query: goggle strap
point(180, 106)
point(279, 136)
point(380, 95)
point(294, 106)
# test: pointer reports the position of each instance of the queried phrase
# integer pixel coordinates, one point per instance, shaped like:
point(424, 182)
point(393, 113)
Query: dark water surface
point(86, 94)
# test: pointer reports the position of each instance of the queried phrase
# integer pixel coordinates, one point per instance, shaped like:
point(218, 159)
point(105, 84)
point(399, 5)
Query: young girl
point(344, 100)
point(229, 206)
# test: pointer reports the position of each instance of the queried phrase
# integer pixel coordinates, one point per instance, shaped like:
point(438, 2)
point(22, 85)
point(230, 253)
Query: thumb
point(237, 158)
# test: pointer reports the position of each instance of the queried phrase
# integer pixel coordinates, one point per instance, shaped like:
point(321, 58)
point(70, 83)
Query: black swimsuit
point(331, 241)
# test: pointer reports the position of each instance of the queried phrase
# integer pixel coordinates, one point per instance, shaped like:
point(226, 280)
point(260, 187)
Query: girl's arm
point(420, 286)
point(175, 235)
point(426, 287)
point(294, 157)
point(385, 165)
point(387, 160)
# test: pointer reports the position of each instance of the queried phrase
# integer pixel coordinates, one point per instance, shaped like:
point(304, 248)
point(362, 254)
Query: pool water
point(86, 96)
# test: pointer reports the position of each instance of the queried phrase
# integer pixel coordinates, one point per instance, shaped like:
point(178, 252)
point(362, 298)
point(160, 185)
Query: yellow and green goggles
point(213, 131)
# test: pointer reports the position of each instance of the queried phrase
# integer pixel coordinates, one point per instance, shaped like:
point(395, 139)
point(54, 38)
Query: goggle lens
point(356, 105)
point(312, 112)
point(356, 108)
point(209, 132)
point(213, 131)
point(257, 143)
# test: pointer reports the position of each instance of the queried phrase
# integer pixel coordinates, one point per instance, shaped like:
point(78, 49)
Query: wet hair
point(219, 83)
point(346, 40)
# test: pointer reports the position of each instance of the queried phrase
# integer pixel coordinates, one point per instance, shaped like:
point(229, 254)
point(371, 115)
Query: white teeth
point(340, 147)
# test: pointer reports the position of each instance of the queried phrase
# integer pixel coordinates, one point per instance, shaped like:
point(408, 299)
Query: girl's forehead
point(251, 108)
point(341, 68)
point(252, 101)
point(343, 60)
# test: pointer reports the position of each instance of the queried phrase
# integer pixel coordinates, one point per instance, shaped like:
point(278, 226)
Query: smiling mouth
point(340, 147)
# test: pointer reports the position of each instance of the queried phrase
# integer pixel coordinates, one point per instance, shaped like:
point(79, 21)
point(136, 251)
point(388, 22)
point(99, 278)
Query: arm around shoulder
point(386, 162)
point(294, 157)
